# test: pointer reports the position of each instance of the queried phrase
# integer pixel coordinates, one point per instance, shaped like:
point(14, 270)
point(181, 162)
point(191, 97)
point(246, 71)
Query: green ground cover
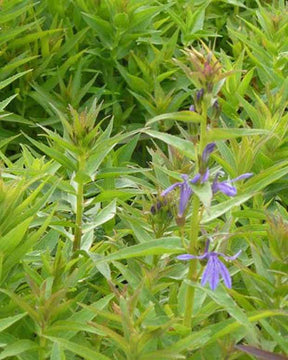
point(143, 179)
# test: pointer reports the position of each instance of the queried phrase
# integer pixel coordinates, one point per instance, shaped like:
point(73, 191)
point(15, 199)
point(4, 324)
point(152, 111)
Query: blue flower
point(214, 268)
point(185, 193)
point(226, 186)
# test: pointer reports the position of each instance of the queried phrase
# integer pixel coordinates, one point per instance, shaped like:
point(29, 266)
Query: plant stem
point(79, 214)
point(194, 230)
point(192, 273)
point(42, 344)
point(79, 208)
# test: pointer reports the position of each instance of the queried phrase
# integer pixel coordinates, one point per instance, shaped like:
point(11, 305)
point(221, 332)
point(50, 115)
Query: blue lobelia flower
point(185, 193)
point(226, 186)
point(214, 268)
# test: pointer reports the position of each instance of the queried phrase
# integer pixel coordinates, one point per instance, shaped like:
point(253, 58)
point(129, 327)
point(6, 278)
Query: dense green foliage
point(95, 124)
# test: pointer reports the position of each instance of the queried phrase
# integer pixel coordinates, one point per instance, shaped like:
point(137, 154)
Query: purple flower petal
point(189, 257)
point(170, 188)
point(214, 278)
point(186, 257)
point(207, 272)
point(225, 274)
point(225, 187)
point(205, 176)
point(192, 108)
point(207, 245)
point(199, 94)
point(195, 179)
point(185, 177)
point(209, 148)
point(243, 176)
point(231, 257)
point(185, 194)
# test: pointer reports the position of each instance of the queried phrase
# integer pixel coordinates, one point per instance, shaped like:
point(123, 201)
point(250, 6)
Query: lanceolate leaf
point(102, 217)
point(8, 81)
point(54, 154)
point(230, 133)
point(17, 348)
point(185, 116)
point(6, 322)
point(85, 352)
point(185, 146)
point(160, 246)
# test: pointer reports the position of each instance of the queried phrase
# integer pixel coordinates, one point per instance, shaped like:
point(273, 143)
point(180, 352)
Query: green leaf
point(192, 342)
point(13, 12)
point(5, 102)
point(6, 322)
point(19, 300)
point(217, 210)
point(185, 146)
point(125, 152)
point(10, 241)
point(186, 116)
point(231, 327)
point(18, 347)
point(8, 81)
point(221, 297)
point(259, 181)
point(57, 353)
point(54, 154)
point(102, 217)
point(103, 28)
point(172, 245)
point(71, 42)
point(63, 326)
point(5, 142)
point(204, 192)
point(32, 37)
point(102, 267)
point(84, 351)
point(108, 195)
point(230, 133)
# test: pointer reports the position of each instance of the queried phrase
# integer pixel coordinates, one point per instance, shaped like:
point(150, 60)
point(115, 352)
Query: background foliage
point(79, 171)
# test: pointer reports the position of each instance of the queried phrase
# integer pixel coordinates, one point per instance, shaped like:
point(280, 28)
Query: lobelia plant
point(206, 73)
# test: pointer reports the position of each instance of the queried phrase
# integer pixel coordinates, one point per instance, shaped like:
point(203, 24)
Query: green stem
point(42, 344)
point(192, 273)
point(194, 230)
point(79, 208)
point(79, 214)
